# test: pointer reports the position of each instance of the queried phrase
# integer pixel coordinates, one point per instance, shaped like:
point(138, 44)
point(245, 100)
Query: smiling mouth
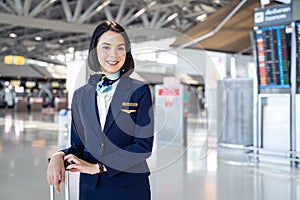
point(112, 62)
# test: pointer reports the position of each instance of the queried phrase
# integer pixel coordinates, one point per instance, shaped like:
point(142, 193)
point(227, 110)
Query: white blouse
point(103, 102)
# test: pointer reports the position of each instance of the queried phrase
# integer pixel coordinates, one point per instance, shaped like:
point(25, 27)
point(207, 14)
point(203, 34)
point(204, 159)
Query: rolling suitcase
point(67, 188)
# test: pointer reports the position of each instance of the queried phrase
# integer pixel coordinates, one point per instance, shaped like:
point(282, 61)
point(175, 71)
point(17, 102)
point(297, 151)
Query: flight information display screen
point(273, 57)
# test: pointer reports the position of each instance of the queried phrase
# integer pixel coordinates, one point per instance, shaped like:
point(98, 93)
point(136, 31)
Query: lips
point(112, 62)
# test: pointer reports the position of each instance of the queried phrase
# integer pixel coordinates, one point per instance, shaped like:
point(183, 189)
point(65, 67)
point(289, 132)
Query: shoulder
point(80, 92)
point(139, 88)
point(136, 84)
point(82, 89)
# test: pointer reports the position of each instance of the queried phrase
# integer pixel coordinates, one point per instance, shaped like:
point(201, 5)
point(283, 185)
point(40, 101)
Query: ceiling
point(232, 37)
point(49, 27)
point(32, 72)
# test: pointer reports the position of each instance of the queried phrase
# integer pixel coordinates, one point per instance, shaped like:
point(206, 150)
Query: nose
point(113, 52)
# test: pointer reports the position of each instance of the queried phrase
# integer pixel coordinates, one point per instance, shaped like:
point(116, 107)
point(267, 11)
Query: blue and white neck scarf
point(105, 83)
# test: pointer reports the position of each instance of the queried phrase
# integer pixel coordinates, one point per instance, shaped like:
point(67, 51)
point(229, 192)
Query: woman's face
point(111, 52)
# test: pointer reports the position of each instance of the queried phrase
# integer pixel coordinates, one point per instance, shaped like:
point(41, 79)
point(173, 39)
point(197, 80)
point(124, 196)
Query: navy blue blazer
point(127, 138)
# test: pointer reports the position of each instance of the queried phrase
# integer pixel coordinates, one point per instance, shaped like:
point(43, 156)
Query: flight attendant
point(112, 125)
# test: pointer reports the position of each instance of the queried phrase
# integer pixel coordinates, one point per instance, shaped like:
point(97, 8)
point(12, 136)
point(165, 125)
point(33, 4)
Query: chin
point(112, 71)
point(109, 72)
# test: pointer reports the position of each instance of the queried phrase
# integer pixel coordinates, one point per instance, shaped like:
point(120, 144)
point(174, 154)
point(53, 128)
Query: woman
point(112, 125)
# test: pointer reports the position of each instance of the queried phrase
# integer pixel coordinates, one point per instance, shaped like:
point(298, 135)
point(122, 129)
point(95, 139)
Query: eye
point(121, 49)
point(106, 47)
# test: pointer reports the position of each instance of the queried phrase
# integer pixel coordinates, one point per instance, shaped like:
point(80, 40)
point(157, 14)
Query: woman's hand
point(79, 165)
point(56, 170)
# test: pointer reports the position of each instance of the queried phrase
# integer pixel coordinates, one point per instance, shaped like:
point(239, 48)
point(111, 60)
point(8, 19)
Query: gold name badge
point(129, 104)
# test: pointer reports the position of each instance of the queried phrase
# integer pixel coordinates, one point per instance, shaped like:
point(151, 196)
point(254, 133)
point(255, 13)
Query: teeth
point(112, 62)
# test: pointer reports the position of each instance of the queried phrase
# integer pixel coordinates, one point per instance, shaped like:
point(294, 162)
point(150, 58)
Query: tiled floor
point(26, 141)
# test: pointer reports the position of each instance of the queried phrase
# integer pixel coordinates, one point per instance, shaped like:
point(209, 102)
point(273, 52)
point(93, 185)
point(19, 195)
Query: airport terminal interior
point(225, 82)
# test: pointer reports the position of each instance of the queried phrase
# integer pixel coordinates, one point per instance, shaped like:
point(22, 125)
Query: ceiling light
point(173, 16)
point(202, 17)
point(5, 48)
point(13, 35)
point(71, 49)
point(60, 57)
point(31, 48)
point(61, 41)
point(140, 12)
point(38, 38)
point(50, 45)
point(152, 3)
point(103, 5)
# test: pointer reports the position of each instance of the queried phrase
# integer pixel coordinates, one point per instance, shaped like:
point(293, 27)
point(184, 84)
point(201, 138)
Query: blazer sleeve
point(77, 146)
point(141, 147)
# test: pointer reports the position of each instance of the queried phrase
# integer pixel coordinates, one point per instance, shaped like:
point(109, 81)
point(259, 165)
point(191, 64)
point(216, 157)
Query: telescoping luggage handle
point(67, 185)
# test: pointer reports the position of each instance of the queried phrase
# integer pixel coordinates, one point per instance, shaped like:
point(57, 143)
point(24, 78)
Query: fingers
point(69, 156)
point(74, 167)
point(49, 179)
point(71, 159)
point(56, 172)
point(56, 181)
point(63, 173)
point(78, 165)
point(73, 162)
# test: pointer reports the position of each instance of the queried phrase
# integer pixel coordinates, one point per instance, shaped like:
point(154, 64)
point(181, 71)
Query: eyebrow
point(105, 43)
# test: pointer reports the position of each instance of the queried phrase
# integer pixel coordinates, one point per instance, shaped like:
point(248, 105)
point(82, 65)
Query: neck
point(113, 76)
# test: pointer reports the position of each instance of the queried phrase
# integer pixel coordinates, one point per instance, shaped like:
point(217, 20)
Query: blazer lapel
point(90, 102)
point(122, 94)
point(92, 116)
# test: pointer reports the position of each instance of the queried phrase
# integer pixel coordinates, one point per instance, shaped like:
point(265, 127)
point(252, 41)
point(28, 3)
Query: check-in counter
point(60, 103)
point(36, 104)
point(21, 104)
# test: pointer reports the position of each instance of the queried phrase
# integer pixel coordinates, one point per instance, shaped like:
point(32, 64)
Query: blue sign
point(274, 15)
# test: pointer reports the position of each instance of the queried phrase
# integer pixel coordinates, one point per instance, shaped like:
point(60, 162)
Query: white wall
point(76, 77)
point(191, 61)
point(212, 67)
point(243, 64)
